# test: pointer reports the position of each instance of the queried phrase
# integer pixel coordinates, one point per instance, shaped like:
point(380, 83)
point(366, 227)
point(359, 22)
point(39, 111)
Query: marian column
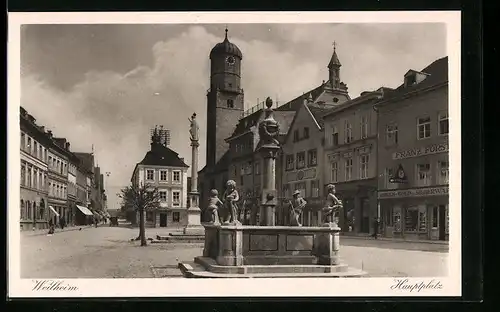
point(268, 147)
point(193, 225)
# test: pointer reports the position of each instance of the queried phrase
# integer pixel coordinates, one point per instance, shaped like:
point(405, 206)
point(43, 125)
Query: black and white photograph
point(217, 150)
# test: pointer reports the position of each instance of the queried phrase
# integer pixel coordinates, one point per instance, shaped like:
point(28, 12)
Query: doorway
point(442, 222)
point(163, 220)
point(364, 206)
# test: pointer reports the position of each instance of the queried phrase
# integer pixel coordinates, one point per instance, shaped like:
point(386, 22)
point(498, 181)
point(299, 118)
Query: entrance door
point(365, 215)
point(163, 219)
point(442, 222)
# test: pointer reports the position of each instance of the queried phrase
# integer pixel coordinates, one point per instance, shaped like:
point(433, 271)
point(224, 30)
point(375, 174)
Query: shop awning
point(84, 210)
point(54, 211)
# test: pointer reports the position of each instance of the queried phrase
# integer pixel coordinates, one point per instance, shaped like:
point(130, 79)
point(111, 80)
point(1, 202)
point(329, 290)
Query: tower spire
point(226, 32)
point(334, 68)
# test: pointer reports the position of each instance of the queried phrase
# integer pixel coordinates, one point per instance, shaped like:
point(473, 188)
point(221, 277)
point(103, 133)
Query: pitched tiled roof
point(437, 74)
point(86, 160)
point(318, 113)
point(284, 119)
point(247, 122)
point(295, 103)
point(160, 155)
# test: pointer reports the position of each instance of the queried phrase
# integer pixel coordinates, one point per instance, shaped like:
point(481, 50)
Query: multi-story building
point(413, 164)
point(350, 139)
point(58, 179)
point(85, 189)
point(73, 162)
point(162, 168)
point(34, 155)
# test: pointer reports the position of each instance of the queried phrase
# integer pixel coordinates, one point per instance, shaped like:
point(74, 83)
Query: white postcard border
point(174, 287)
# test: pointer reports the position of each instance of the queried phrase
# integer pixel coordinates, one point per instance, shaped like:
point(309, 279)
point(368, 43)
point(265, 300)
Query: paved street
point(107, 252)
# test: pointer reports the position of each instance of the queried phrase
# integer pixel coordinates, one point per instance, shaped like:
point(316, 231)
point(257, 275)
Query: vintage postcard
point(234, 154)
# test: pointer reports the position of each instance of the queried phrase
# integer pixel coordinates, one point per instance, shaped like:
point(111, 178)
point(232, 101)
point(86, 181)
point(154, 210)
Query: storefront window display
point(416, 219)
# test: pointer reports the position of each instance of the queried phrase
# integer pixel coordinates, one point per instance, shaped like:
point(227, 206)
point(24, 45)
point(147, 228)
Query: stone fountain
point(266, 250)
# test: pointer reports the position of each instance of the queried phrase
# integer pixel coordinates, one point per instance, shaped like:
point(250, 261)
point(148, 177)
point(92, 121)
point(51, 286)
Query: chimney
point(182, 159)
point(42, 128)
point(49, 133)
point(31, 118)
point(67, 145)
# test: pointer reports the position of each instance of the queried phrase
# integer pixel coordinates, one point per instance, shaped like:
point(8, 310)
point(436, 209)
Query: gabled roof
point(317, 113)
point(284, 119)
point(437, 73)
point(160, 155)
point(294, 104)
point(86, 161)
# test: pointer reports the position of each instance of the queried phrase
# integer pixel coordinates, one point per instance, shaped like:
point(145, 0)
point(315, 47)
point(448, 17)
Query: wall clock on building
point(230, 60)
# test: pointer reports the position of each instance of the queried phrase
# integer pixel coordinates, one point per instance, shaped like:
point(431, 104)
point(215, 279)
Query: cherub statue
point(332, 205)
point(213, 206)
point(194, 128)
point(231, 196)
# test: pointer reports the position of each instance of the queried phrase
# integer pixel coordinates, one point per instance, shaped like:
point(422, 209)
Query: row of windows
point(423, 175)
point(246, 169)
point(31, 210)
point(58, 190)
point(297, 137)
point(32, 147)
point(175, 177)
point(176, 197)
point(424, 125)
point(58, 165)
point(33, 177)
point(299, 161)
point(307, 189)
point(333, 138)
point(363, 172)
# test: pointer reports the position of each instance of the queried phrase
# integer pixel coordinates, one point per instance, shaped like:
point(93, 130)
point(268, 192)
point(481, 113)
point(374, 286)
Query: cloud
point(114, 111)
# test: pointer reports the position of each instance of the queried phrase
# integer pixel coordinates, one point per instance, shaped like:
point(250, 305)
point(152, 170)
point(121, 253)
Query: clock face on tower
point(230, 60)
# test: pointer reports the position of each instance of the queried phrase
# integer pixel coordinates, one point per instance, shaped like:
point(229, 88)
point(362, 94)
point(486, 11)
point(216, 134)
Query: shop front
point(415, 214)
point(359, 206)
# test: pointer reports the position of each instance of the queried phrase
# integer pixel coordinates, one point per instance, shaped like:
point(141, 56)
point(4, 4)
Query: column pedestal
point(193, 225)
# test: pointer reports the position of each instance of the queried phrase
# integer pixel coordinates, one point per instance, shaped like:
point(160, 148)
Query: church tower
point(224, 98)
point(334, 70)
point(334, 85)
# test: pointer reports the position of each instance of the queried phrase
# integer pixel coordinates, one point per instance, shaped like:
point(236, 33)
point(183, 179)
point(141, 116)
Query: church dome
point(225, 47)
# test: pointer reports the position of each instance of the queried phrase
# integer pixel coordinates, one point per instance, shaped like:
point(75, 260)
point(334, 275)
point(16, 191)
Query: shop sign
point(421, 151)
point(400, 176)
point(305, 174)
point(419, 192)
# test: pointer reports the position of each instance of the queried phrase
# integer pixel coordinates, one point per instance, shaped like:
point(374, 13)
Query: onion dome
point(225, 47)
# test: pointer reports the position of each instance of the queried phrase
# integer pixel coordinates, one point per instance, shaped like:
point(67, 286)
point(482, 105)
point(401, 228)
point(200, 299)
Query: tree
point(141, 198)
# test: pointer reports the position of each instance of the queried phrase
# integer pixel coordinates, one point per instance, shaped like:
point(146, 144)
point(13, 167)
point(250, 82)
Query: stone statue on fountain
point(213, 206)
point(332, 206)
point(231, 197)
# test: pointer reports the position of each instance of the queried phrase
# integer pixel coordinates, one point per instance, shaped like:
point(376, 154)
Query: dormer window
point(413, 77)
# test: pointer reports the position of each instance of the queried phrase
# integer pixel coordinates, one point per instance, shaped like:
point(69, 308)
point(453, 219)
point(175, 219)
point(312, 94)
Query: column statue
point(194, 128)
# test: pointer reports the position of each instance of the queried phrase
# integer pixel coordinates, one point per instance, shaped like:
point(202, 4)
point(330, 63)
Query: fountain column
point(268, 148)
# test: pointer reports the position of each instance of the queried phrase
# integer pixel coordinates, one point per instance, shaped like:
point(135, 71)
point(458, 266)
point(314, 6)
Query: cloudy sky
point(107, 85)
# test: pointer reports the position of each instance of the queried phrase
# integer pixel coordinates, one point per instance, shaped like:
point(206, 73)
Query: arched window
point(230, 103)
point(23, 212)
point(41, 209)
point(28, 210)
